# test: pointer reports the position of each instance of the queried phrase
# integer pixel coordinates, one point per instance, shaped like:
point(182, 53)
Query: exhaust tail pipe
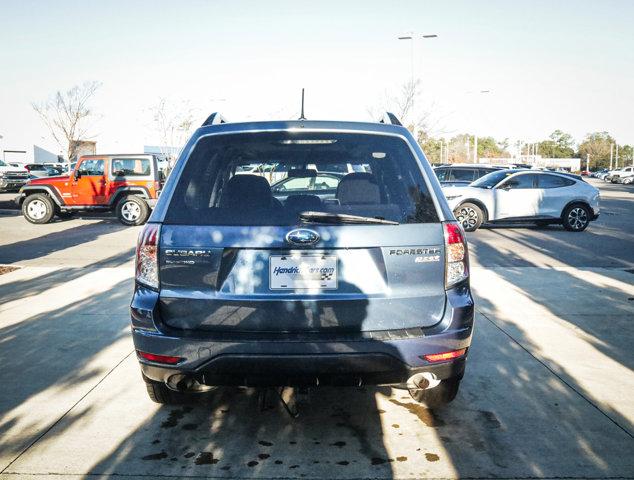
point(185, 383)
point(423, 381)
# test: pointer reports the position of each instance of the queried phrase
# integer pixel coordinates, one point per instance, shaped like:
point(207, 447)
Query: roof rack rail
point(389, 117)
point(214, 119)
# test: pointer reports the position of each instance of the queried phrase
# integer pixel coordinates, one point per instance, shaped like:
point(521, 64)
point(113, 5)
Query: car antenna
point(301, 116)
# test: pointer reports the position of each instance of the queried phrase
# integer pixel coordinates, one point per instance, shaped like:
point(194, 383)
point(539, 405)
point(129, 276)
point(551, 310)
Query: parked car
point(614, 175)
point(626, 177)
point(367, 286)
point(39, 170)
point(598, 173)
point(457, 174)
point(127, 184)
point(12, 178)
point(307, 182)
point(525, 196)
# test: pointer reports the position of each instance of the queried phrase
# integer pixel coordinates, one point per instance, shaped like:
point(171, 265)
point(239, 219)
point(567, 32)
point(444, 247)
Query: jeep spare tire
point(38, 208)
point(132, 210)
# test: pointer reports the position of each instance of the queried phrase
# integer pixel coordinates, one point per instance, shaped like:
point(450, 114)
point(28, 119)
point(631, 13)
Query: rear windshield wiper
point(325, 217)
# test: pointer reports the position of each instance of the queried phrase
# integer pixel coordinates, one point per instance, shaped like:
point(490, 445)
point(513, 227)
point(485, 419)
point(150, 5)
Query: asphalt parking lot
point(547, 394)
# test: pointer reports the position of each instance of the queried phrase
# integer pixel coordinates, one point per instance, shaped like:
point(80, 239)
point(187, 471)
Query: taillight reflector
point(167, 359)
point(147, 256)
point(456, 254)
point(439, 357)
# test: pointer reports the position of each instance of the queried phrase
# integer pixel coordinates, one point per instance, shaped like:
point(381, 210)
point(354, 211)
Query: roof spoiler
point(390, 118)
point(214, 119)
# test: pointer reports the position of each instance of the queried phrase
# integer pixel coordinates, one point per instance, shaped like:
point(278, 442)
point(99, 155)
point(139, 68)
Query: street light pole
point(411, 36)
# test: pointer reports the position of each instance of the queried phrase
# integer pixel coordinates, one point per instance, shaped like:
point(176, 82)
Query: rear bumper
point(346, 369)
point(370, 358)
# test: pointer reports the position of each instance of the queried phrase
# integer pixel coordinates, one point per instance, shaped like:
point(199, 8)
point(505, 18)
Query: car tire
point(576, 218)
point(438, 396)
point(132, 210)
point(470, 216)
point(38, 208)
point(159, 393)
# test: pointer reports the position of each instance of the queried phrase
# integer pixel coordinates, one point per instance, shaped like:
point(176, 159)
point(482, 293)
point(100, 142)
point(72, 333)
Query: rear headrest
point(303, 203)
point(358, 189)
point(246, 191)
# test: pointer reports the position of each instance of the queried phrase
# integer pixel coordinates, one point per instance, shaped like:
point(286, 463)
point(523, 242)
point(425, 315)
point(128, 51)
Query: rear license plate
point(302, 272)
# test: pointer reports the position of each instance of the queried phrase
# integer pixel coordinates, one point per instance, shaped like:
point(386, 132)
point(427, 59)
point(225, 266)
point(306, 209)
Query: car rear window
point(130, 167)
point(462, 174)
point(270, 178)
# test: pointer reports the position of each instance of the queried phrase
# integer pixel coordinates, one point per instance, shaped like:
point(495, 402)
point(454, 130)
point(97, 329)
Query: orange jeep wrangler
point(128, 184)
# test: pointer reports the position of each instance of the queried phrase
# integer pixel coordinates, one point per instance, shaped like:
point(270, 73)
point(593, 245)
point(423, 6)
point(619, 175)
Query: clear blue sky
point(548, 64)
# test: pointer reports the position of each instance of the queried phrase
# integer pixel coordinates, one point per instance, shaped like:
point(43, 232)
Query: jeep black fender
point(139, 191)
point(481, 205)
point(27, 190)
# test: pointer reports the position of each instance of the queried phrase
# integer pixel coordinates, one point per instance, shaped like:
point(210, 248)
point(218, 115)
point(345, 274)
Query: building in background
point(41, 155)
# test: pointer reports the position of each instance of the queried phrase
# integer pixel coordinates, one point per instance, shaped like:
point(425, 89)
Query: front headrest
point(246, 191)
point(358, 189)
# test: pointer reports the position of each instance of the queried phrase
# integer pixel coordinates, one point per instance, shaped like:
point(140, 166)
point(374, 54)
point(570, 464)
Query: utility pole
point(475, 149)
point(611, 152)
point(616, 159)
point(587, 162)
point(468, 148)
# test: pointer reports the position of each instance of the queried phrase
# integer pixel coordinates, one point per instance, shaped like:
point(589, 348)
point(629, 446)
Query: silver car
point(525, 196)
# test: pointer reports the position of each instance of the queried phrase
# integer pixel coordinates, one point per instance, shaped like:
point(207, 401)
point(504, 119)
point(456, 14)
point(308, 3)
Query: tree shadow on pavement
point(50, 359)
point(44, 245)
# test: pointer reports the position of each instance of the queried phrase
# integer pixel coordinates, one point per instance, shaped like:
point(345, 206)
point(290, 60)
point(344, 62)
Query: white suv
point(525, 196)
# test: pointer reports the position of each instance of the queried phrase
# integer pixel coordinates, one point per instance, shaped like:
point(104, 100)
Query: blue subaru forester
point(302, 253)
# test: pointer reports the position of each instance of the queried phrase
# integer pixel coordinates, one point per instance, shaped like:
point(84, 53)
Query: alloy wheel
point(578, 218)
point(467, 216)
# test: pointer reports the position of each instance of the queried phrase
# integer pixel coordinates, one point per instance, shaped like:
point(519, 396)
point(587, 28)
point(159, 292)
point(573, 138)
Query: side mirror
point(77, 175)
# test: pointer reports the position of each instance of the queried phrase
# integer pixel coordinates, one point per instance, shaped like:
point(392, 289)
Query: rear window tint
point(130, 167)
point(270, 178)
point(553, 181)
point(462, 174)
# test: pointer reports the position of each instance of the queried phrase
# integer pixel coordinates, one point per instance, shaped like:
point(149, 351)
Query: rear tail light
point(457, 255)
point(147, 256)
point(442, 357)
point(167, 359)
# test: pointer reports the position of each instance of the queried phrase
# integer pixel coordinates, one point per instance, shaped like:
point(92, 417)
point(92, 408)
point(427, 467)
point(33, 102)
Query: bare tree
point(408, 106)
point(67, 115)
point(174, 124)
